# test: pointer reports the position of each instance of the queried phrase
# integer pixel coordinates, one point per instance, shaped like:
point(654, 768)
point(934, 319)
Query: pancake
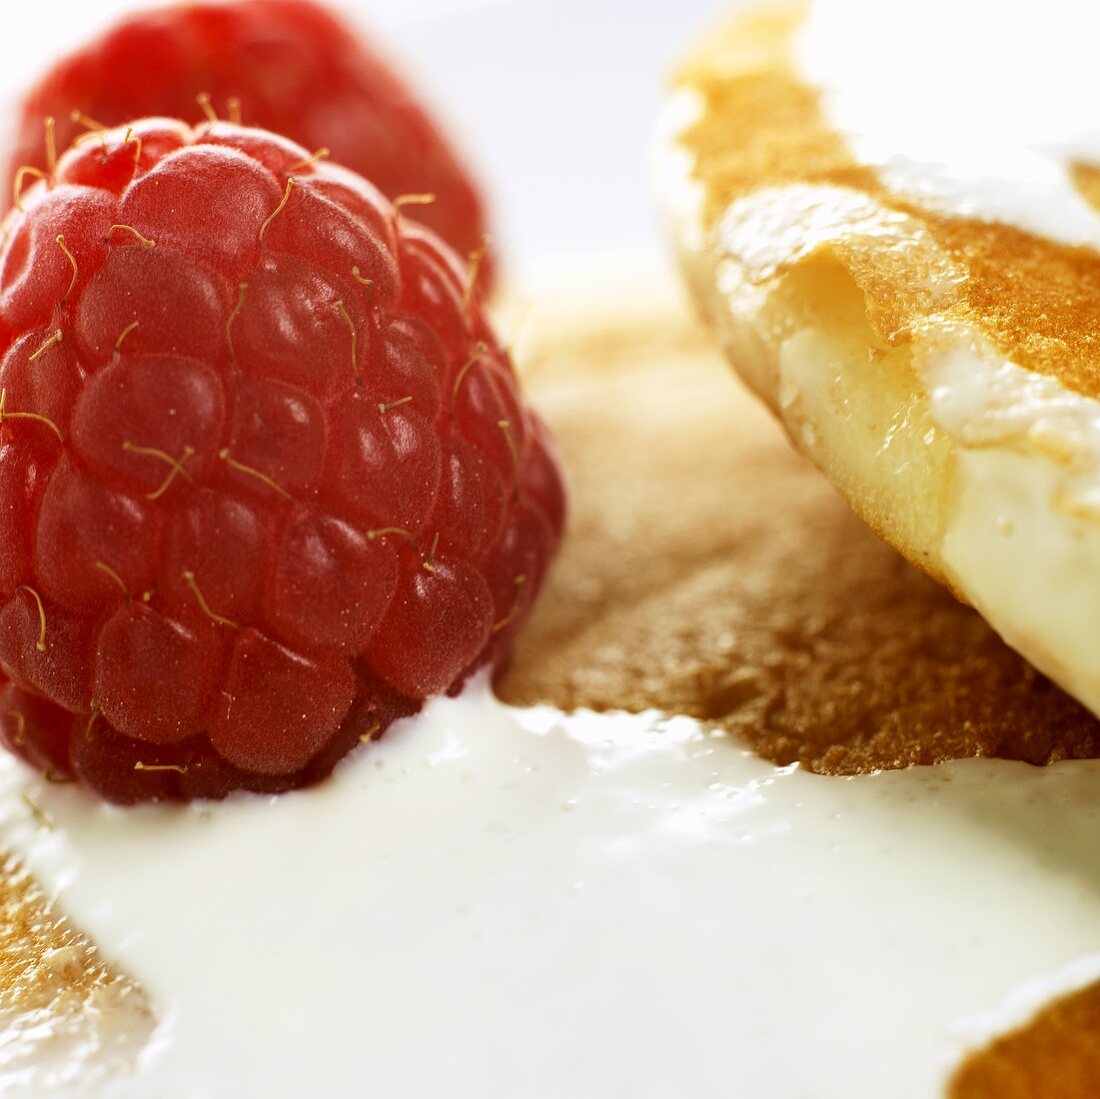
point(708, 573)
point(66, 1015)
point(1055, 1055)
point(900, 252)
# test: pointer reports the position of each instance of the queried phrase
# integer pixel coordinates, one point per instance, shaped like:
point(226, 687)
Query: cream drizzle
point(970, 110)
point(494, 902)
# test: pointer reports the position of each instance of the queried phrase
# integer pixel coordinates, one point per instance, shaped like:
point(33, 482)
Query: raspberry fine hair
point(289, 66)
point(267, 481)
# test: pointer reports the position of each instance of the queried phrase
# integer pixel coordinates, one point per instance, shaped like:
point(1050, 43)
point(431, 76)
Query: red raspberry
point(289, 66)
point(266, 479)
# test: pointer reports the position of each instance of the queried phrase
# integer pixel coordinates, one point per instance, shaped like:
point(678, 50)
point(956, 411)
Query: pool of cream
point(496, 902)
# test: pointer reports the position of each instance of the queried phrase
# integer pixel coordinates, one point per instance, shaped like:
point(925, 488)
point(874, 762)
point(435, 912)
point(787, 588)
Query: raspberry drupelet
point(290, 66)
point(267, 481)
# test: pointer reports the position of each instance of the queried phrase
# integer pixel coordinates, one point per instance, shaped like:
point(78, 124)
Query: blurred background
point(554, 99)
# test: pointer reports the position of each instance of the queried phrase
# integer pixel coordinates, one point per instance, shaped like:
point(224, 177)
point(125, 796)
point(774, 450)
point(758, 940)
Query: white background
point(554, 99)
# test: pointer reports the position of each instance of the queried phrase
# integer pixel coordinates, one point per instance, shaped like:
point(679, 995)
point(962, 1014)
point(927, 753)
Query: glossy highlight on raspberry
point(266, 478)
point(289, 66)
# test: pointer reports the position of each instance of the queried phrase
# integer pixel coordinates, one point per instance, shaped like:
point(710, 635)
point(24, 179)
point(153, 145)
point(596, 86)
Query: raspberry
point(266, 479)
point(286, 65)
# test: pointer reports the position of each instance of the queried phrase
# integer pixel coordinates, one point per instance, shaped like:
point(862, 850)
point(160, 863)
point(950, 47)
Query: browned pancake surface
point(1056, 1056)
point(761, 127)
point(710, 571)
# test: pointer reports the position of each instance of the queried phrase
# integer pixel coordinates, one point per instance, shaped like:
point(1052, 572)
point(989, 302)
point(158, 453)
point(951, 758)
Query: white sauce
point(975, 109)
point(495, 902)
point(1023, 540)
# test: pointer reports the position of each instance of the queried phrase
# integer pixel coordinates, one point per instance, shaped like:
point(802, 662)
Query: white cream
point(1021, 532)
point(971, 108)
point(495, 902)
point(1023, 535)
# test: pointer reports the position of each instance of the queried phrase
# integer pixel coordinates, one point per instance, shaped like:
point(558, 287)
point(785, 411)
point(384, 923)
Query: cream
point(1023, 535)
point(973, 110)
point(498, 902)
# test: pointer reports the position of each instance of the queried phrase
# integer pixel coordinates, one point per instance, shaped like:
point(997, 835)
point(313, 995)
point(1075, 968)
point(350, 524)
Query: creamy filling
point(1023, 534)
point(501, 902)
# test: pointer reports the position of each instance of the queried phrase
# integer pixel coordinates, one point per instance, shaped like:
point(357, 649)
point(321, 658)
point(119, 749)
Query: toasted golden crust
point(761, 127)
point(65, 1014)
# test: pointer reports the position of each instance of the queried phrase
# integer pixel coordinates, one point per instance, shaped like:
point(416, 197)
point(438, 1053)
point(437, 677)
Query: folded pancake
point(900, 250)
